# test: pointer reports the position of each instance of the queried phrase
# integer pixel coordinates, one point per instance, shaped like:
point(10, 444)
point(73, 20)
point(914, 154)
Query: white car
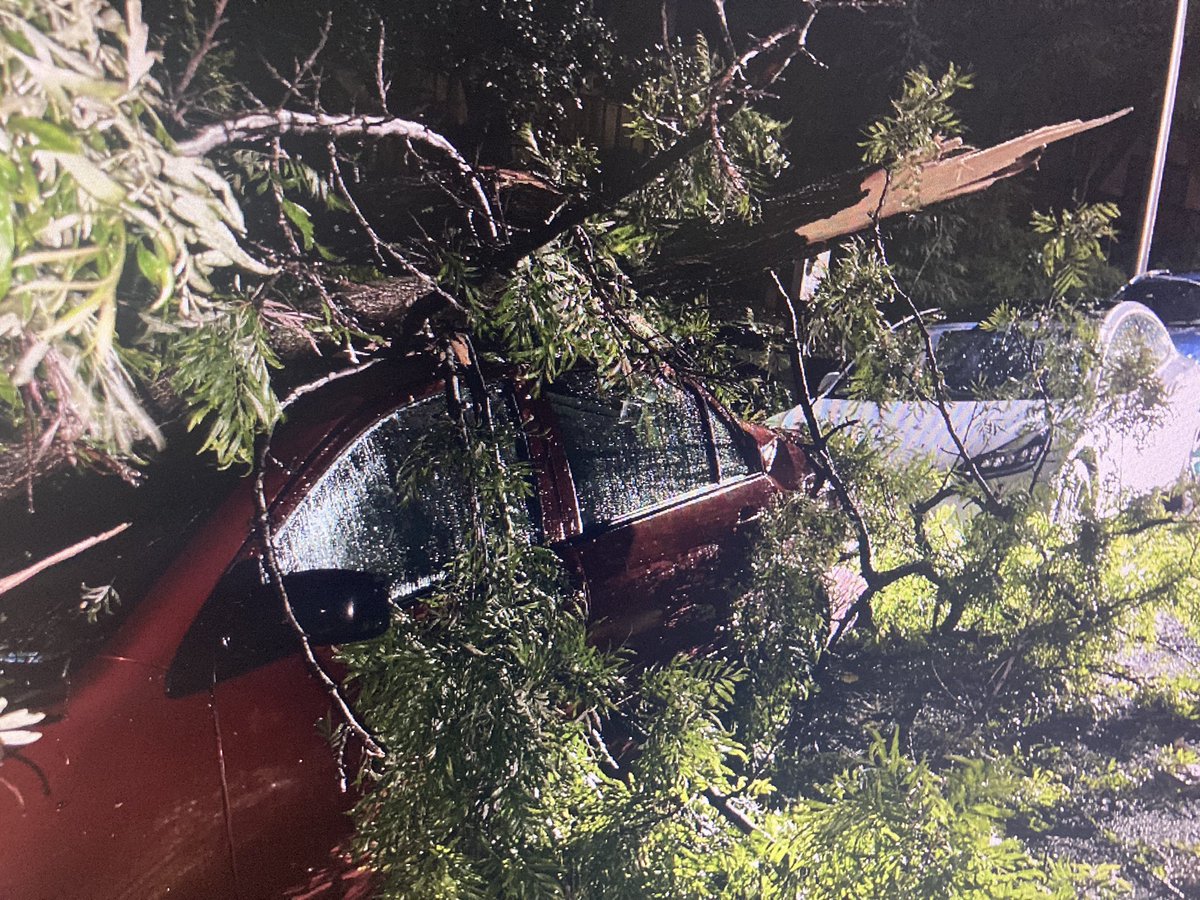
point(1126, 447)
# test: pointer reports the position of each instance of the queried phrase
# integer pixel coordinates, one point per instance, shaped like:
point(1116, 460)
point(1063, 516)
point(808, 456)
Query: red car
point(185, 750)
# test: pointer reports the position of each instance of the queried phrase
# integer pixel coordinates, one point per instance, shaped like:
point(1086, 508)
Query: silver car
point(1131, 443)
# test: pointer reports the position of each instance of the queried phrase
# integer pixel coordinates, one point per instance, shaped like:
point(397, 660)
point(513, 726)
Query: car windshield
point(1175, 302)
point(977, 364)
point(987, 365)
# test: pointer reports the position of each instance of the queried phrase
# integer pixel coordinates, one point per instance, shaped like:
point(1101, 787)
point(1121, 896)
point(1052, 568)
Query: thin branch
point(992, 502)
point(371, 745)
point(719, 8)
point(821, 454)
point(207, 42)
point(264, 125)
point(304, 68)
point(383, 250)
point(8, 582)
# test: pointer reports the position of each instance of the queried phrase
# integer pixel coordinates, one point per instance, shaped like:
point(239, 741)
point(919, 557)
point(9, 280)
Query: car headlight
point(1012, 459)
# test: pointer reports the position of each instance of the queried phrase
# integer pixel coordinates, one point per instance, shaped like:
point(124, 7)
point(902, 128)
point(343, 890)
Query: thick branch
point(804, 221)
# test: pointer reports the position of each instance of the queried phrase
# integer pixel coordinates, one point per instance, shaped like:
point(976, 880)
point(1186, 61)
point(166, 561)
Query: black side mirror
point(335, 606)
point(243, 625)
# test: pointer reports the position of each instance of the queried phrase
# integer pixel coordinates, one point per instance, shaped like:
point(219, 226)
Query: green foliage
point(893, 827)
point(781, 612)
point(100, 220)
point(741, 359)
point(1073, 255)
point(473, 697)
point(498, 716)
point(714, 183)
point(922, 119)
point(554, 314)
point(221, 367)
point(848, 322)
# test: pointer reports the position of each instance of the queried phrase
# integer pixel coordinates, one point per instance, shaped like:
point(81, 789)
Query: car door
point(288, 816)
point(660, 494)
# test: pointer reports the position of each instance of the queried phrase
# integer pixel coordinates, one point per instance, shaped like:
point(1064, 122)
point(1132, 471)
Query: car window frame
point(568, 496)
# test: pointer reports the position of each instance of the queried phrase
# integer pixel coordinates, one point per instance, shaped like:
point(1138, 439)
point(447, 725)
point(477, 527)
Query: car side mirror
point(243, 625)
point(336, 606)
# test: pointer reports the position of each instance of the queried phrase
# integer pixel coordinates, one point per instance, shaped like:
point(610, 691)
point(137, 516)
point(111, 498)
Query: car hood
point(918, 429)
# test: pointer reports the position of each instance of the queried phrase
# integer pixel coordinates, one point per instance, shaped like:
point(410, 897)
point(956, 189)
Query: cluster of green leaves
point(1074, 254)
point(971, 255)
point(675, 100)
point(567, 304)
point(222, 370)
point(780, 619)
point(104, 229)
point(890, 826)
point(482, 699)
point(922, 119)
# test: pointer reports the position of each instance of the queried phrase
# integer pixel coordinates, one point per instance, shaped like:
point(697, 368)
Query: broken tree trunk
point(801, 223)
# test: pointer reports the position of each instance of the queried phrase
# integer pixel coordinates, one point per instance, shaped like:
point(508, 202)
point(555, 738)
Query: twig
point(8, 582)
point(304, 68)
point(371, 745)
point(992, 502)
point(207, 42)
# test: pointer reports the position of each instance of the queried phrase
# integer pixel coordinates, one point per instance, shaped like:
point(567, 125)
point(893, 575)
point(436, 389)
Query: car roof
point(1164, 275)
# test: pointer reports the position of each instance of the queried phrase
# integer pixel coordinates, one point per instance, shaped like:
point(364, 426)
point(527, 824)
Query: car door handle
point(748, 514)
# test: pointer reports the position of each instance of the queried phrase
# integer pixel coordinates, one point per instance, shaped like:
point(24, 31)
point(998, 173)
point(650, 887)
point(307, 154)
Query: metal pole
point(1164, 136)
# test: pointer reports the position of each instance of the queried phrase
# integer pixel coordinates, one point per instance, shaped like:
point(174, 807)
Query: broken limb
point(8, 582)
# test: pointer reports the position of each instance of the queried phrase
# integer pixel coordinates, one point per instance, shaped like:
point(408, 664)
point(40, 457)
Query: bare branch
point(719, 8)
point(8, 582)
point(383, 250)
point(207, 42)
point(304, 68)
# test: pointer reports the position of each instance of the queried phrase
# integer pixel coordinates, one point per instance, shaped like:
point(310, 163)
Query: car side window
point(356, 516)
point(731, 463)
point(629, 454)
